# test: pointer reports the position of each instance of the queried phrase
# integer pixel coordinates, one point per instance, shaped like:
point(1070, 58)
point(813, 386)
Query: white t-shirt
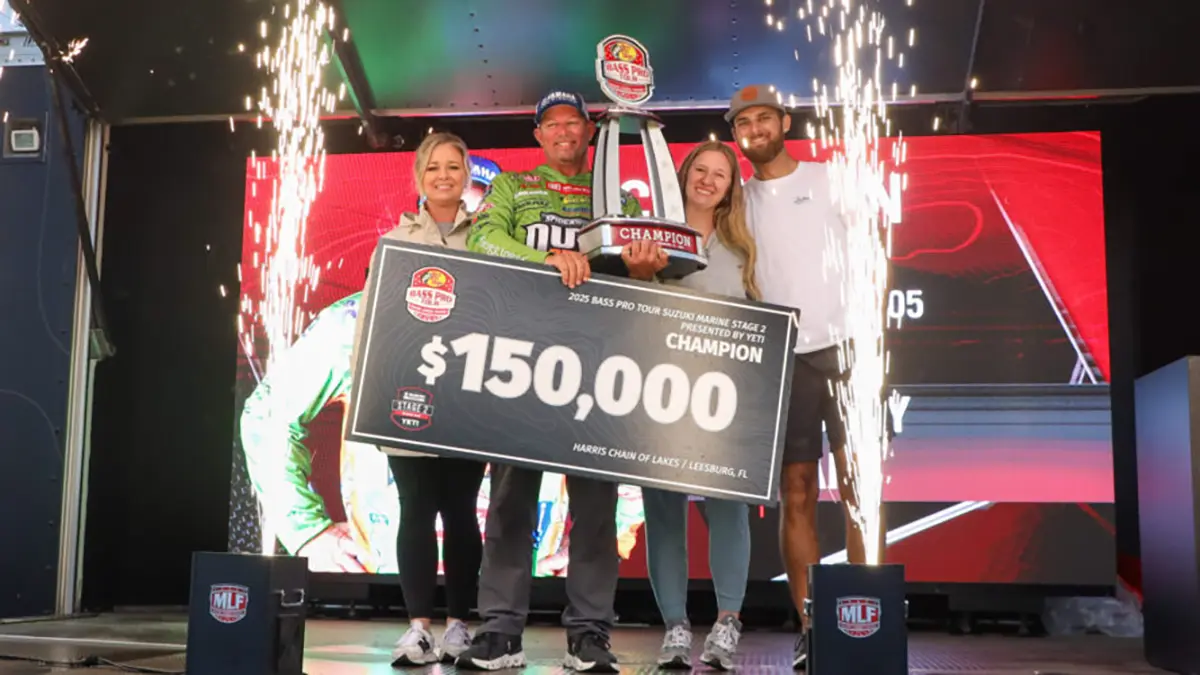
point(801, 241)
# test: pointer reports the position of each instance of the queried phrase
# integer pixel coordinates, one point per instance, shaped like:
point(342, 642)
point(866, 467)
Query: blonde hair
point(729, 217)
point(425, 151)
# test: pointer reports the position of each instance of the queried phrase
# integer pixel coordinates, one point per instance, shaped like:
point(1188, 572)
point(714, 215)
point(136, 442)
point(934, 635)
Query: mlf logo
point(857, 616)
point(623, 70)
point(430, 296)
point(227, 602)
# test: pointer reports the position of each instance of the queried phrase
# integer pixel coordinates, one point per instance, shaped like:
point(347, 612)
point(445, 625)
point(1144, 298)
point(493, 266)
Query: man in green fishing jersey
point(536, 215)
point(310, 375)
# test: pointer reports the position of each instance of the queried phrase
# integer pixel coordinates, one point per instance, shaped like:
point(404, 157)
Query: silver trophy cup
point(624, 73)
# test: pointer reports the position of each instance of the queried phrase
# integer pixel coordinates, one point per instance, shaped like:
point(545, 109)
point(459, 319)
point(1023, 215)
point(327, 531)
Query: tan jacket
point(417, 228)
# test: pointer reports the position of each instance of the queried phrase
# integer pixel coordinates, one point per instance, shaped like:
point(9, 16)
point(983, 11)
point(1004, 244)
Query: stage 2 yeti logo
point(431, 295)
point(227, 603)
point(412, 409)
point(857, 616)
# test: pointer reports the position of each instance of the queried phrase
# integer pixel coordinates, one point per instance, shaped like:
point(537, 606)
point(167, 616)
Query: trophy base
point(603, 239)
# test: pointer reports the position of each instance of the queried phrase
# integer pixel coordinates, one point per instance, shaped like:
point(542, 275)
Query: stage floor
point(363, 648)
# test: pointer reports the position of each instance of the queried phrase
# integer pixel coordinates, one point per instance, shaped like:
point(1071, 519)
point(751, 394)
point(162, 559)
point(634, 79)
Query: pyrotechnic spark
point(74, 49)
point(293, 106)
point(853, 122)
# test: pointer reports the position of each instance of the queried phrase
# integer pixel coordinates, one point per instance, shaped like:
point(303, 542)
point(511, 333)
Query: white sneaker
point(722, 643)
point(676, 652)
point(414, 648)
point(455, 641)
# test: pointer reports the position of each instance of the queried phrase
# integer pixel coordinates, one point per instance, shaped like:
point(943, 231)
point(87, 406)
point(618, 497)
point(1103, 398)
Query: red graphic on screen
point(1000, 281)
point(966, 197)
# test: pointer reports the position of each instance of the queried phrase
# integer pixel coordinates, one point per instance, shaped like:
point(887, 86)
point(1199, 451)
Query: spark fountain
point(294, 106)
point(859, 174)
point(247, 612)
point(857, 612)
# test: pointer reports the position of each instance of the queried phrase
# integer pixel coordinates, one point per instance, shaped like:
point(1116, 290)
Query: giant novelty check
point(464, 355)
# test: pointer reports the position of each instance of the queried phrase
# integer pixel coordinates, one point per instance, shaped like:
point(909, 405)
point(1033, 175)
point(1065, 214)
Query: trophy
point(624, 73)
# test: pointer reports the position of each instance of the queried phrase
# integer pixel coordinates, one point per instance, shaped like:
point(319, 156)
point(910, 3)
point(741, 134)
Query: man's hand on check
point(573, 265)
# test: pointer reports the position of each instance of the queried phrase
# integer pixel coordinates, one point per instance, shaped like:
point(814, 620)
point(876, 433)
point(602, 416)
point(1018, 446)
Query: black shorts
point(814, 403)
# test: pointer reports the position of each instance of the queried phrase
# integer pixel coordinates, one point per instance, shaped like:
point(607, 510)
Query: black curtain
point(1151, 179)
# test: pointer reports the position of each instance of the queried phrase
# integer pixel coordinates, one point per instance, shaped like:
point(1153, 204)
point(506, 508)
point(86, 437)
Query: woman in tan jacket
point(429, 485)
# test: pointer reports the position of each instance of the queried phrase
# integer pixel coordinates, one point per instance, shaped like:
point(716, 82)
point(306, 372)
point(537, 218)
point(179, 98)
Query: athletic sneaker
point(676, 652)
point(800, 656)
point(721, 644)
point(589, 653)
point(414, 648)
point(492, 651)
point(455, 641)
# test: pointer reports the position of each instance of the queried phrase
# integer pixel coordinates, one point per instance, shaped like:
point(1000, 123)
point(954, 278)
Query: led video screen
point(997, 328)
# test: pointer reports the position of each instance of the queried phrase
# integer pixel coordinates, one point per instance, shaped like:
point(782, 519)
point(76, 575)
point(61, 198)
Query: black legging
point(428, 486)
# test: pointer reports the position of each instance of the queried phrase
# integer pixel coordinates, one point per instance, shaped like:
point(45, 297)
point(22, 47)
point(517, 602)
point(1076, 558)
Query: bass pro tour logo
point(431, 296)
point(412, 409)
point(623, 70)
point(227, 602)
point(857, 616)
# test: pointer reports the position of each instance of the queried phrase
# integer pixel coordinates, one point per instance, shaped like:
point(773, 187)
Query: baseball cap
point(753, 95)
point(559, 98)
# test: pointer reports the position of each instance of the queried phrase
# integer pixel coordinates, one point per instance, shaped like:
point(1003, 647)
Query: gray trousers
point(506, 574)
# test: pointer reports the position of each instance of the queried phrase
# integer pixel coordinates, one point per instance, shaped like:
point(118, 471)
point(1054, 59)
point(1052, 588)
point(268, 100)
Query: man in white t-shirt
point(799, 233)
